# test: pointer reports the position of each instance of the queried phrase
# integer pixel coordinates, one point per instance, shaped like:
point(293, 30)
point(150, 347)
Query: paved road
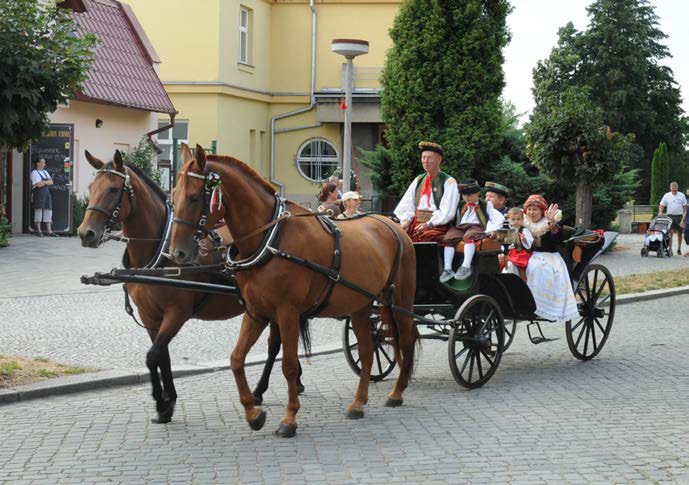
point(544, 418)
point(50, 314)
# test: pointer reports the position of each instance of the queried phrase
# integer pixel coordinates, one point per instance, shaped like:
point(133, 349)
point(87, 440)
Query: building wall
point(122, 129)
point(233, 103)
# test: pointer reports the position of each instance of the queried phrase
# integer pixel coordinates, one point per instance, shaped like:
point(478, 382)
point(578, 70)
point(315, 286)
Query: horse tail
point(305, 332)
point(390, 331)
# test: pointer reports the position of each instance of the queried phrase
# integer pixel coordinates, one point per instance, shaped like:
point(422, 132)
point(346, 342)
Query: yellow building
point(258, 79)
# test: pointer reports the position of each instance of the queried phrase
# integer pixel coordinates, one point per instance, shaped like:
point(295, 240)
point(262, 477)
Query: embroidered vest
point(481, 212)
point(437, 187)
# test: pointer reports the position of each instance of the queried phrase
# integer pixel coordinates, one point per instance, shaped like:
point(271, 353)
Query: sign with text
point(56, 148)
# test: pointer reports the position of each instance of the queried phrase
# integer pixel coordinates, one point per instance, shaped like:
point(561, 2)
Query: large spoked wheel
point(510, 330)
point(383, 352)
point(595, 296)
point(477, 340)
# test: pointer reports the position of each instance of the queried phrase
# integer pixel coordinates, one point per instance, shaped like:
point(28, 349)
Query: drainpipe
point(305, 109)
point(162, 128)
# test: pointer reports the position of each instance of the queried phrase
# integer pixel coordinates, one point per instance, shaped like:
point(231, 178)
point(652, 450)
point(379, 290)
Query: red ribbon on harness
point(216, 200)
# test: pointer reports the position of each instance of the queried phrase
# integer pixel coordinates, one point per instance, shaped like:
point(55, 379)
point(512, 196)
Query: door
point(56, 148)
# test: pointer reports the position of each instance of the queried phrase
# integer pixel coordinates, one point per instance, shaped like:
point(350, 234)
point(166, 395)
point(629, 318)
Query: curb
point(123, 377)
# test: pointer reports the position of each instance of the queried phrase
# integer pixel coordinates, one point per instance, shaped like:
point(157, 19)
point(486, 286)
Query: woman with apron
point(42, 202)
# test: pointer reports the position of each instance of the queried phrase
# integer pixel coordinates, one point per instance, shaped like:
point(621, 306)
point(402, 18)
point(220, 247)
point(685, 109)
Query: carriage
point(478, 318)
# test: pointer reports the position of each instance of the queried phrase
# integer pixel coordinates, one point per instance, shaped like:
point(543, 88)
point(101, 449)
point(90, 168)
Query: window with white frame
point(244, 35)
point(317, 159)
point(179, 132)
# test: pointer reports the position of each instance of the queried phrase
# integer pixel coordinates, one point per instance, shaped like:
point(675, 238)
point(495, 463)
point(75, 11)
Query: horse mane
point(248, 171)
point(147, 180)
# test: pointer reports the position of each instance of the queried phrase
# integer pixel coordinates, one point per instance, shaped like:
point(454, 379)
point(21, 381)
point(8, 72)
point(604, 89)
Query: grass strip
point(638, 283)
point(16, 371)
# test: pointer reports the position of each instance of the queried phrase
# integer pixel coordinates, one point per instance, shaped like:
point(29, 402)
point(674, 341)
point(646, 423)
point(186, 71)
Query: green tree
point(379, 163)
point(660, 174)
point(568, 141)
point(42, 64)
point(442, 81)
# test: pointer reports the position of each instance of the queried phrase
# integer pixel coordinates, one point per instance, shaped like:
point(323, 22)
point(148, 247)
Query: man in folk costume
point(498, 195)
point(430, 202)
point(476, 218)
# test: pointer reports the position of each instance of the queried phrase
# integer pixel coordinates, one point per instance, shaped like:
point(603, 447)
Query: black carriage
point(478, 318)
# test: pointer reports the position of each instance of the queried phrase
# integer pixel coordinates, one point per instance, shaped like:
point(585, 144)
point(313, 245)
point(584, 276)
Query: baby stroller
point(658, 237)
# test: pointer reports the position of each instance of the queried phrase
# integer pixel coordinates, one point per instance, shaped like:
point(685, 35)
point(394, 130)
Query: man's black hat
point(469, 186)
point(429, 146)
point(497, 188)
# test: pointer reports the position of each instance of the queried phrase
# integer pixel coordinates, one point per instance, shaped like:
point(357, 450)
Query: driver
point(430, 202)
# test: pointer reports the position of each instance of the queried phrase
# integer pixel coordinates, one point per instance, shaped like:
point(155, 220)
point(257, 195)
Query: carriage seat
point(484, 247)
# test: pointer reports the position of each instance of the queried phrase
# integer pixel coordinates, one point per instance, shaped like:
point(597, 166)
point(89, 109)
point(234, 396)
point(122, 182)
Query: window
point(244, 35)
point(317, 159)
point(180, 132)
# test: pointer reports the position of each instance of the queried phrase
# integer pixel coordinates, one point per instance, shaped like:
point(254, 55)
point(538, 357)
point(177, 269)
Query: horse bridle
point(201, 231)
point(112, 215)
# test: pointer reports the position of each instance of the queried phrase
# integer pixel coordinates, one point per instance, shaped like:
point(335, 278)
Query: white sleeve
point(528, 238)
point(35, 177)
point(684, 200)
point(406, 209)
point(663, 201)
point(448, 204)
point(495, 219)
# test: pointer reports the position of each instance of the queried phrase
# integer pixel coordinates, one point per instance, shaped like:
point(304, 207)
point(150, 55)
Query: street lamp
point(349, 48)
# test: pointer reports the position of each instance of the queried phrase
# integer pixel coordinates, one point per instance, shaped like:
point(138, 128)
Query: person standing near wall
point(42, 201)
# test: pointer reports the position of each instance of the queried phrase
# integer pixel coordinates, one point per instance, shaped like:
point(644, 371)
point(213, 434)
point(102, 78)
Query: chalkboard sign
point(56, 148)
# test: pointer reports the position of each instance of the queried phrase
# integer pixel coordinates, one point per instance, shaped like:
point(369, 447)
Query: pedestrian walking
point(675, 203)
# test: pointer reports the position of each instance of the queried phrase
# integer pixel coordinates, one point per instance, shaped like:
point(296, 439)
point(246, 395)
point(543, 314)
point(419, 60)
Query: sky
point(534, 25)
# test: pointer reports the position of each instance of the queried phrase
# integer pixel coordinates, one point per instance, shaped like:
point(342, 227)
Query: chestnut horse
point(376, 253)
point(163, 310)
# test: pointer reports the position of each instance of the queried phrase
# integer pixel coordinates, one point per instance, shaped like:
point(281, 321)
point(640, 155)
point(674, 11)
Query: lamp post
point(349, 48)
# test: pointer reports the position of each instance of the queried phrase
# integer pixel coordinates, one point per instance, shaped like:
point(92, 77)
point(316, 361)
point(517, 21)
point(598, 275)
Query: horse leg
point(274, 344)
point(289, 331)
point(158, 356)
point(248, 334)
point(361, 324)
point(407, 336)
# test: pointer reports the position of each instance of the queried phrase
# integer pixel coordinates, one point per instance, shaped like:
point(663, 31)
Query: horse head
point(110, 199)
point(192, 195)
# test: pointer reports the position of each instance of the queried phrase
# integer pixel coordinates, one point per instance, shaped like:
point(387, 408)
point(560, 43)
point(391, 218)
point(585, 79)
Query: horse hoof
point(258, 399)
point(300, 388)
point(286, 430)
point(258, 423)
point(393, 403)
point(355, 413)
point(165, 412)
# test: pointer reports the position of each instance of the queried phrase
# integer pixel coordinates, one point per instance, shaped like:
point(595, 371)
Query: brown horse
point(376, 255)
point(163, 310)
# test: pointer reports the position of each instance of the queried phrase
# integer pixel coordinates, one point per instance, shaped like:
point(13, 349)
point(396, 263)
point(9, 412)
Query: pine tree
point(659, 180)
point(442, 81)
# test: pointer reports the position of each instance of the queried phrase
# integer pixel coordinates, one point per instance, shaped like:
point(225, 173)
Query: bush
point(5, 232)
point(144, 156)
point(379, 162)
point(79, 206)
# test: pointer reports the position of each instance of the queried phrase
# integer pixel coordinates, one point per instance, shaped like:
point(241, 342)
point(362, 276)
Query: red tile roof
point(123, 72)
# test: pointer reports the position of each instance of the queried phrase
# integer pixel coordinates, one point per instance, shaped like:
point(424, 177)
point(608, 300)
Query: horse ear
point(200, 157)
point(118, 160)
point(185, 153)
point(93, 161)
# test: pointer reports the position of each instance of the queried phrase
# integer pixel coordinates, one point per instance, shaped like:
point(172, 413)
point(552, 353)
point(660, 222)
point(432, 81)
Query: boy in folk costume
point(430, 202)
point(476, 218)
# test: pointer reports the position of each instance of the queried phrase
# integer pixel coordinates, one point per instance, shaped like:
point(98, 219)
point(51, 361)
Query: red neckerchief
point(426, 189)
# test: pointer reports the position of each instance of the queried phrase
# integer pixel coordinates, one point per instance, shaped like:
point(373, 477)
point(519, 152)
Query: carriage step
point(538, 338)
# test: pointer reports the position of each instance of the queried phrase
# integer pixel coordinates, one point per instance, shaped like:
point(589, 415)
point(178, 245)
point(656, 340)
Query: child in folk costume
point(519, 252)
point(546, 274)
point(476, 218)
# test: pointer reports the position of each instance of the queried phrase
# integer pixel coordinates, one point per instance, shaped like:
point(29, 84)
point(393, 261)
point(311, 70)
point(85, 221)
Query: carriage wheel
point(383, 353)
point(587, 336)
point(510, 330)
point(477, 340)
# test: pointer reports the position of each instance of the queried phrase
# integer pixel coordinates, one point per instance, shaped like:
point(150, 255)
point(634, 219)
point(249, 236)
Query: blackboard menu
point(56, 148)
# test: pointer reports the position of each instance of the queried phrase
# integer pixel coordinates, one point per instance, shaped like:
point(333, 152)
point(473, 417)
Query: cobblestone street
point(544, 417)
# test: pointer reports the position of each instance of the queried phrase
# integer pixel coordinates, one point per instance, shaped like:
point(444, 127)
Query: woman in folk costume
point(546, 274)
point(430, 202)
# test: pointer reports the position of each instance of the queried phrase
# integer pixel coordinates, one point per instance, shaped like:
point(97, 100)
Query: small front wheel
point(383, 352)
point(476, 341)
